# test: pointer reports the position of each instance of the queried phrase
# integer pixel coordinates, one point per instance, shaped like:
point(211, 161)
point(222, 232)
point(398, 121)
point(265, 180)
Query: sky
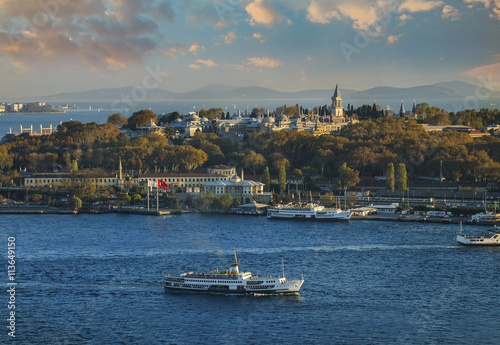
point(53, 46)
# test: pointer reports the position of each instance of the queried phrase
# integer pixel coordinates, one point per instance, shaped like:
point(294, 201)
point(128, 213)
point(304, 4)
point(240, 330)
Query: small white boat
point(490, 238)
point(232, 281)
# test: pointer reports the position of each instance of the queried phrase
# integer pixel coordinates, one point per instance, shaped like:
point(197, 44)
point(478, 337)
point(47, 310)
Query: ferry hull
point(232, 281)
point(290, 287)
point(478, 241)
point(315, 217)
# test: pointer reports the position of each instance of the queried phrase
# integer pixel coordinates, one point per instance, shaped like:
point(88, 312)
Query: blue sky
point(52, 46)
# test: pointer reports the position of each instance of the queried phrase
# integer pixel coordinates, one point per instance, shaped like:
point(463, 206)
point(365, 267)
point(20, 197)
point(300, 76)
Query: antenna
point(235, 259)
point(283, 267)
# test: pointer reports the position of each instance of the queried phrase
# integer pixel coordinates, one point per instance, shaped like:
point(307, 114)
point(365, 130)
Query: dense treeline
point(367, 147)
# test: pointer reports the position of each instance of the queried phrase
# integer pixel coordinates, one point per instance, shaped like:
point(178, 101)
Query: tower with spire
point(337, 109)
point(402, 111)
point(414, 111)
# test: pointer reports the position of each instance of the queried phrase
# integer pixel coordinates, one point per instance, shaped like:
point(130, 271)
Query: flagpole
point(157, 200)
point(148, 196)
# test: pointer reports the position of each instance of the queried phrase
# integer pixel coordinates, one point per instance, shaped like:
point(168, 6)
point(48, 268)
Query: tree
point(6, 159)
point(191, 157)
point(123, 198)
point(254, 161)
point(266, 179)
point(136, 197)
point(141, 118)
point(389, 176)
point(323, 157)
point(118, 120)
point(348, 178)
point(401, 178)
point(77, 202)
point(222, 202)
point(282, 179)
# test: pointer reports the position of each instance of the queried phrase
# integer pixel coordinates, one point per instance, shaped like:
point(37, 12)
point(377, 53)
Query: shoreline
point(163, 212)
point(32, 112)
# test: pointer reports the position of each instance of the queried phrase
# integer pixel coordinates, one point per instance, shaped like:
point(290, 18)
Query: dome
point(282, 117)
point(204, 119)
point(268, 119)
point(178, 120)
point(193, 117)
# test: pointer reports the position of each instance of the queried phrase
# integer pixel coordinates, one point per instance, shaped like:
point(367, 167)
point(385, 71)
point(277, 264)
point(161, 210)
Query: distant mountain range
point(445, 90)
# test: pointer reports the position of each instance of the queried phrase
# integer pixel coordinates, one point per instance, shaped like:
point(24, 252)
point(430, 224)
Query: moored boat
point(308, 211)
point(232, 281)
point(490, 238)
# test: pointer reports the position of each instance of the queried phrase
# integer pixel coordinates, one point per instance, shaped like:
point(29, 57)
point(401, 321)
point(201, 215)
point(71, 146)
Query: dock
point(150, 212)
point(22, 209)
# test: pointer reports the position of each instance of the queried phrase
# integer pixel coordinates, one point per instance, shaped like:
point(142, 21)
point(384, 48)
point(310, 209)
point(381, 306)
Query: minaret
point(402, 110)
point(120, 175)
point(414, 110)
point(337, 109)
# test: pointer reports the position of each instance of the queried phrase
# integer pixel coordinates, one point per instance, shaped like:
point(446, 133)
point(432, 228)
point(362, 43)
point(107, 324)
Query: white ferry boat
point(490, 238)
point(232, 281)
point(308, 211)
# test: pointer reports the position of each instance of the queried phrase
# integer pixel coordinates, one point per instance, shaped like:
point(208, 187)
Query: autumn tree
point(254, 161)
point(141, 118)
point(6, 158)
point(348, 177)
point(191, 157)
point(117, 119)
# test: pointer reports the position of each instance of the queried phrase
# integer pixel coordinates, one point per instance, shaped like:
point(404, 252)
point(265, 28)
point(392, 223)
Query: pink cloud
point(262, 14)
point(265, 62)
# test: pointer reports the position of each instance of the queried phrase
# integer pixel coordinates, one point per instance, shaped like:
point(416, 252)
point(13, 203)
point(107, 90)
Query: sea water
point(97, 279)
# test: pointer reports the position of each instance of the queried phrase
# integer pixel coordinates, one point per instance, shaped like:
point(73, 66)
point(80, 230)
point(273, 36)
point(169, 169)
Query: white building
point(247, 190)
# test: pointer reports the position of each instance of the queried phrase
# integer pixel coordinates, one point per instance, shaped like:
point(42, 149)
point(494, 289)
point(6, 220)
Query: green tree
point(266, 179)
point(389, 176)
point(222, 202)
point(400, 177)
point(123, 198)
point(282, 179)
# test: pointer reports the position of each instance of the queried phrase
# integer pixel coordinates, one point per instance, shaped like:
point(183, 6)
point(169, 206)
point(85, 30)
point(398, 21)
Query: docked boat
point(232, 281)
point(490, 238)
point(309, 211)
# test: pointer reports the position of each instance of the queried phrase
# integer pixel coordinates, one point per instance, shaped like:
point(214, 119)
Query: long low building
point(218, 180)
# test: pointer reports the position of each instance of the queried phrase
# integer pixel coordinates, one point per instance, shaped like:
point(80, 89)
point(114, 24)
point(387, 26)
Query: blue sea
point(97, 279)
point(99, 111)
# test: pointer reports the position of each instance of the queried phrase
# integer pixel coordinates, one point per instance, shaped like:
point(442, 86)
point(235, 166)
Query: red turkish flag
point(162, 184)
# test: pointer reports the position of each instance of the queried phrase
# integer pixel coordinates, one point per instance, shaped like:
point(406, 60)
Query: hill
point(445, 90)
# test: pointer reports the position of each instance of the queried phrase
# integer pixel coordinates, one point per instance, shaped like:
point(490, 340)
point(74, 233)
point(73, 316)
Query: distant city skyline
point(55, 46)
